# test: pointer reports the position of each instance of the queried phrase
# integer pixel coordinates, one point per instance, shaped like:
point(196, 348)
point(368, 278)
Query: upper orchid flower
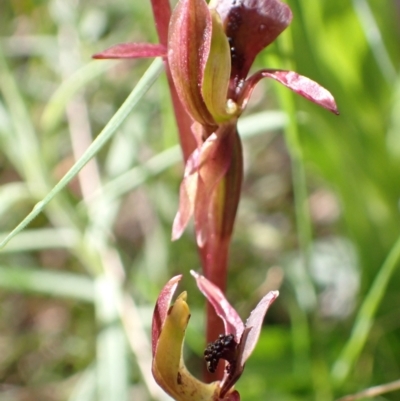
point(210, 51)
point(234, 346)
point(211, 48)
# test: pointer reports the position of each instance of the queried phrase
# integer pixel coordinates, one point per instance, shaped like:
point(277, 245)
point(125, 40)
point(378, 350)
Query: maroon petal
point(186, 206)
point(232, 322)
point(189, 44)
point(161, 309)
point(251, 25)
point(215, 159)
point(236, 370)
point(133, 50)
point(254, 322)
point(248, 340)
point(297, 83)
point(204, 170)
point(187, 195)
point(232, 396)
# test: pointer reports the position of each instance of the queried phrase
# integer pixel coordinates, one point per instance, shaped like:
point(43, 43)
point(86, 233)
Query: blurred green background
point(319, 216)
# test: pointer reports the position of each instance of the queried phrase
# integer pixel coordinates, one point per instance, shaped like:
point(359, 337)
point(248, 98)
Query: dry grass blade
point(373, 391)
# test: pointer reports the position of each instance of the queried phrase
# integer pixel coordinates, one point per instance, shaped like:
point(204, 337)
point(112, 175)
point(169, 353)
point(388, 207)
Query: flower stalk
point(162, 15)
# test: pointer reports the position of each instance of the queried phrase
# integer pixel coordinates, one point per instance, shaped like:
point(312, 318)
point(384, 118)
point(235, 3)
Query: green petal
point(217, 73)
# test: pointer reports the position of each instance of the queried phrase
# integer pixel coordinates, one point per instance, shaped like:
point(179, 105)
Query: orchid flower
point(234, 346)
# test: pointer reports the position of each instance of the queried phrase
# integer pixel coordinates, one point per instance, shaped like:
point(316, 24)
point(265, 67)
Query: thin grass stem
point(138, 92)
point(373, 391)
point(365, 317)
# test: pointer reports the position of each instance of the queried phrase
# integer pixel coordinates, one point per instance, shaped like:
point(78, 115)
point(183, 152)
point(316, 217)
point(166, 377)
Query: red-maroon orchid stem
point(215, 258)
point(215, 253)
point(162, 15)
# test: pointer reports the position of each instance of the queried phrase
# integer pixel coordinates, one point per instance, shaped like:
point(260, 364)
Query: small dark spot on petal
point(179, 378)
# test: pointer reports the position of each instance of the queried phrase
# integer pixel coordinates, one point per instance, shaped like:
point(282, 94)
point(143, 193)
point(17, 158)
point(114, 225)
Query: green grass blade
point(54, 110)
point(140, 174)
point(21, 138)
point(374, 37)
point(43, 238)
point(292, 139)
point(138, 92)
point(298, 170)
point(365, 317)
point(12, 193)
point(85, 388)
point(44, 282)
point(112, 369)
point(262, 123)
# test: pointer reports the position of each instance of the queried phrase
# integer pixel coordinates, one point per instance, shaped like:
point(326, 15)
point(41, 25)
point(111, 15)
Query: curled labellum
point(168, 367)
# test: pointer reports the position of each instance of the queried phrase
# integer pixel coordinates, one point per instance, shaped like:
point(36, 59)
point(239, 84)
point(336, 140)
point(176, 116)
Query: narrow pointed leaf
point(132, 50)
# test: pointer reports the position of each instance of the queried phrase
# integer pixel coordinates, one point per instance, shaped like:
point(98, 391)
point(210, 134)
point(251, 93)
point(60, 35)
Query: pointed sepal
point(204, 170)
point(132, 50)
point(232, 322)
point(299, 84)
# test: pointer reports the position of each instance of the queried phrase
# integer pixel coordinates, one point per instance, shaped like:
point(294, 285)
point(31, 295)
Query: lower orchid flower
point(234, 346)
